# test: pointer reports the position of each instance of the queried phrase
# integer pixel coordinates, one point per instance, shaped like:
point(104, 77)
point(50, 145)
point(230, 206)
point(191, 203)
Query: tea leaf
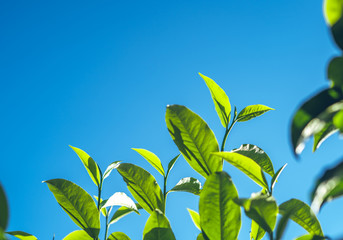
point(78, 235)
point(252, 111)
point(187, 184)
point(151, 158)
point(157, 227)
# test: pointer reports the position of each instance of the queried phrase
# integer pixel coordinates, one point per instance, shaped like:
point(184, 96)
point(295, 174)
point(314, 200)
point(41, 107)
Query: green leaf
point(90, 165)
point(151, 158)
point(157, 227)
point(195, 218)
point(194, 139)
point(310, 237)
point(323, 134)
point(275, 177)
point(313, 115)
point(120, 199)
point(122, 212)
point(102, 203)
point(171, 164)
point(110, 167)
point(246, 165)
point(78, 235)
point(77, 203)
point(3, 210)
point(282, 225)
point(220, 217)
point(333, 16)
point(262, 209)
point(335, 71)
point(338, 121)
point(252, 111)
point(200, 237)
point(22, 235)
point(118, 236)
point(142, 186)
point(220, 99)
point(258, 155)
point(328, 187)
point(187, 184)
point(302, 214)
point(257, 232)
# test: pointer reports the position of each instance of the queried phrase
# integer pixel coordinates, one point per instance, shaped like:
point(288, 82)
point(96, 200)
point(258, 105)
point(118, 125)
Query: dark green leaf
point(262, 209)
point(276, 176)
point(118, 236)
point(157, 227)
point(171, 164)
point(142, 186)
point(195, 218)
point(122, 212)
point(90, 165)
point(220, 217)
point(282, 225)
point(246, 165)
point(120, 199)
point(313, 115)
point(220, 99)
point(77, 203)
point(252, 111)
point(3, 210)
point(258, 155)
point(335, 71)
point(310, 237)
point(200, 237)
point(194, 139)
point(151, 158)
point(302, 214)
point(187, 184)
point(22, 235)
point(323, 134)
point(257, 232)
point(110, 168)
point(328, 187)
point(338, 121)
point(78, 235)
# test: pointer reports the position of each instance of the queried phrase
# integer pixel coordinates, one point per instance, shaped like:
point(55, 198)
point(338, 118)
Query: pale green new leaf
point(187, 184)
point(122, 212)
point(262, 209)
point(90, 165)
point(120, 199)
point(258, 155)
point(338, 121)
point(171, 164)
point(110, 167)
point(78, 235)
point(246, 165)
point(195, 218)
point(3, 210)
point(333, 11)
point(220, 99)
point(252, 111)
point(275, 177)
point(77, 203)
point(118, 236)
point(194, 139)
point(302, 214)
point(328, 187)
point(22, 235)
point(257, 232)
point(142, 186)
point(220, 217)
point(157, 227)
point(152, 159)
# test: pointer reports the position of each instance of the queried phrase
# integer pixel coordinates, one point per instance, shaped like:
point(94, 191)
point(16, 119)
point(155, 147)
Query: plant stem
point(106, 229)
point(99, 197)
point(271, 237)
point(165, 191)
point(227, 134)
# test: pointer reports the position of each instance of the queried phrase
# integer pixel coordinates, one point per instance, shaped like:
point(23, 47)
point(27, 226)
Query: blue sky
point(98, 75)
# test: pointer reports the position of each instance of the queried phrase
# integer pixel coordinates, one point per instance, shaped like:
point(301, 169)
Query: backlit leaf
point(246, 165)
point(151, 158)
point(3, 210)
point(194, 139)
point(335, 71)
point(90, 165)
point(78, 235)
point(142, 186)
point(187, 184)
point(313, 115)
point(257, 232)
point(252, 111)
point(120, 199)
point(338, 121)
point(171, 164)
point(118, 236)
point(302, 214)
point(195, 218)
point(328, 187)
point(276, 176)
point(333, 16)
point(310, 237)
point(258, 155)
point(110, 168)
point(157, 227)
point(220, 99)
point(122, 212)
point(77, 203)
point(22, 235)
point(220, 217)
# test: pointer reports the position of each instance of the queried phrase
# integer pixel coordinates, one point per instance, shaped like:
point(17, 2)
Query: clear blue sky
point(98, 75)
